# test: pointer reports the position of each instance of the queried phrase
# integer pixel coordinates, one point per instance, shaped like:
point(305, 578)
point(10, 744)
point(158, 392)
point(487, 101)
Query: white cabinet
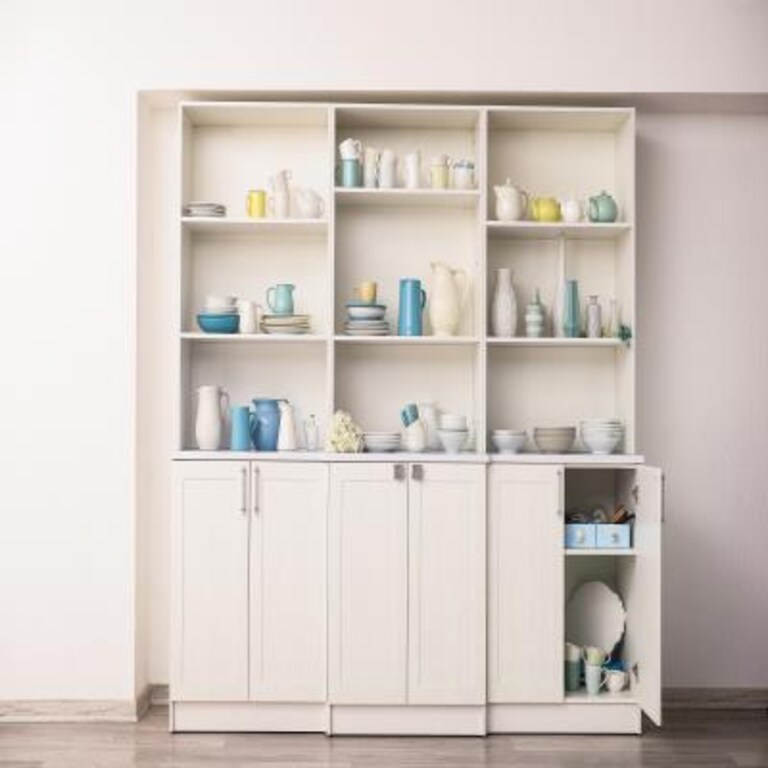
point(525, 605)
point(287, 581)
point(368, 584)
point(210, 581)
point(407, 584)
point(446, 584)
point(249, 581)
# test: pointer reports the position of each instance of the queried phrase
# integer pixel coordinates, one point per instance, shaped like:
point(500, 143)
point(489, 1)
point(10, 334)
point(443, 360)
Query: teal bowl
point(219, 323)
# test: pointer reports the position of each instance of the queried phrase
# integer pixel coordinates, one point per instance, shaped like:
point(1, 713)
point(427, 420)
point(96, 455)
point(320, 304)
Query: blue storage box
point(609, 536)
point(580, 535)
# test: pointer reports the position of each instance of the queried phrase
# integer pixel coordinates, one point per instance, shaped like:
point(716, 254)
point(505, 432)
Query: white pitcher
point(447, 299)
point(280, 202)
point(212, 404)
point(286, 436)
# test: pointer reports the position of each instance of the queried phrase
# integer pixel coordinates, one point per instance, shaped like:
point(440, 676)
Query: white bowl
point(220, 302)
point(601, 445)
point(366, 313)
point(508, 432)
point(452, 440)
point(559, 440)
point(451, 421)
point(508, 443)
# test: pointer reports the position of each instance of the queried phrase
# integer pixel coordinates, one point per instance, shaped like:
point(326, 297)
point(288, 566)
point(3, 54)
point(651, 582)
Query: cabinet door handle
point(417, 472)
point(243, 490)
point(398, 472)
point(255, 490)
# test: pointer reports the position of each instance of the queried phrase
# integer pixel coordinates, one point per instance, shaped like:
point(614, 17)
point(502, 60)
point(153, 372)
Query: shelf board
point(436, 457)
point(254, 338)
point(553, 341)
point(234, 225)
point(434, 198)
point(395, 340)
point(601, 552)
point(534, 230)
point(582, 697)
point(570, 459)
point(256, 115)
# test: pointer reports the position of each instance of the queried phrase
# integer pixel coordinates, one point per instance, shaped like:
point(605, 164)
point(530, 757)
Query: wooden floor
point(711, 738)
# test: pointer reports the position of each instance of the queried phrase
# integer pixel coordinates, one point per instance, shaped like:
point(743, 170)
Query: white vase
point(504, 305)
point(447, 298)
point(211, 401)
point(428, 416)
point(286, 436)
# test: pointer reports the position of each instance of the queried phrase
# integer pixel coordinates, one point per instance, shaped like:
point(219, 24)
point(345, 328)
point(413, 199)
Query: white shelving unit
point(384, 235)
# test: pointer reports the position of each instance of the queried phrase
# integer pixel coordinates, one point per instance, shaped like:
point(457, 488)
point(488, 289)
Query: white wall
point(69, 74)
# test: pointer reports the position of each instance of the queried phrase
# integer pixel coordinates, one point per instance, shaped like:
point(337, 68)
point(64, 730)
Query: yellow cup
point(256, 203)
point(366, 292)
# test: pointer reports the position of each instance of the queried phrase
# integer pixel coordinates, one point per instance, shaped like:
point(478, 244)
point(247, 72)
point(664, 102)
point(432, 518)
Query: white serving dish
point(595, 616)
point(509, 443)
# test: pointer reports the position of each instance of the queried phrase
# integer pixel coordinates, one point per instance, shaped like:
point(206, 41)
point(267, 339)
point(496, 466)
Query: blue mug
point(280, 298)
point(351, 173)
point(265, 426)
point(412, 301)
point(240, 439)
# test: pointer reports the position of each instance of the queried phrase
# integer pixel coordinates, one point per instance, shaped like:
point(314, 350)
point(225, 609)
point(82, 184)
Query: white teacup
point(616, 680)
point(595, 678)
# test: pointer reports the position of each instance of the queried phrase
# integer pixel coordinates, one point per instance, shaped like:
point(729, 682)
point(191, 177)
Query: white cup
point(594, 655)
point(572, 652)
point(350, 149)
point(616, 680)
point(370, 167)
point(387, 169)
point(412, 170)
point(594, 678)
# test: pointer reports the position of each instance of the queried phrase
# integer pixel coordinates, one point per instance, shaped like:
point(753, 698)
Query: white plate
point(287, 330)
point(595, 615)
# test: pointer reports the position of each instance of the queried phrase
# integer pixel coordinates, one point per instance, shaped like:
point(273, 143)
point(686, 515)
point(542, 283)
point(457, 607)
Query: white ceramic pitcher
point(447, 298)
point(212, 404)
point(286, 436)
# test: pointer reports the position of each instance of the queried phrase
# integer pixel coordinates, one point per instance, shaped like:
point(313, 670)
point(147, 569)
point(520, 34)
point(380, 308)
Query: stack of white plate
point(381, 442)
point(554, 439)
point(509, 440)
point(601, 436)
point(220, 305)
point(293, 324)
point(453, 432)
point(366, 319)
point(204, 210)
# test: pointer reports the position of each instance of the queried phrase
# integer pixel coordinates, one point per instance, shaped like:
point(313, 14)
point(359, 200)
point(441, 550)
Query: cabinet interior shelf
point(591, 552)
point(394, 340)
point(361, 196)
point(254, 338)
point(582, 697)
point(553, 341)
point(534, 230)
point(242, 226)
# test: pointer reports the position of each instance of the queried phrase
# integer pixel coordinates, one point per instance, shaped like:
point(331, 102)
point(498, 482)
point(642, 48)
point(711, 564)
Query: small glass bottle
point(594, 319)
point(311, 433)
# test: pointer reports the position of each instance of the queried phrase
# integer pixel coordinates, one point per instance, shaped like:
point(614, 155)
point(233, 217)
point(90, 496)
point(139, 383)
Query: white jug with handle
point(212, 404)
point(447, 298)
point(309, 203)
point(286, 436)
point(280, 203)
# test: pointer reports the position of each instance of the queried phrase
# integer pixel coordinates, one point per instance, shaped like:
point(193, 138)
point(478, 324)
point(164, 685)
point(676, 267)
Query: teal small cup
point(351, 173)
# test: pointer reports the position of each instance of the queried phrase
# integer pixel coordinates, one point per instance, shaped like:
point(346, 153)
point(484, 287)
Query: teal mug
point(280, 298)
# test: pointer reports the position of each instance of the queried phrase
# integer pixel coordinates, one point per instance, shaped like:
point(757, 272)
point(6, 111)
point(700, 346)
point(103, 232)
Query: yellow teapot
point(545, 209)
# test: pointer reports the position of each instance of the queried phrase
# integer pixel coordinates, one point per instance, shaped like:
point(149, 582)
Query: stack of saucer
point(285, 324)
point(601, 436)
point(381, 442)
point(204, 210)
point(366, 319)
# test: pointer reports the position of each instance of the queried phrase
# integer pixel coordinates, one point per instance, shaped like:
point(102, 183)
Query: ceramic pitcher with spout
point(212, 402)
point(279, 204)
point(447, 299)
point(286, 436)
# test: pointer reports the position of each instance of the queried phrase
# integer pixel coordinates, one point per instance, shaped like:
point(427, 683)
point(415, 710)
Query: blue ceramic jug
point(280, 298)
point(571, 310)
point(412, 301)
point(266, 423)
point(240, 439)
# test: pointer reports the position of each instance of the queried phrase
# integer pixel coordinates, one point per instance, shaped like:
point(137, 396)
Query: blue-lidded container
point(580, 535)
point(610, 536)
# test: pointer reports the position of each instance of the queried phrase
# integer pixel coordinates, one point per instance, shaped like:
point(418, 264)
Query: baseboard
point(69, 711)
point(715, 698)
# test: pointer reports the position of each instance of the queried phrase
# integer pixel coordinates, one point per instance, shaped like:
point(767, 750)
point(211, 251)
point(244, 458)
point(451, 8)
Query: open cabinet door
point(642, 591)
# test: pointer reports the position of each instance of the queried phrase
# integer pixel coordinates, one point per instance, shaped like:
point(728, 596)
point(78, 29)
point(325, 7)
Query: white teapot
point(309, 203)
point(511, 202)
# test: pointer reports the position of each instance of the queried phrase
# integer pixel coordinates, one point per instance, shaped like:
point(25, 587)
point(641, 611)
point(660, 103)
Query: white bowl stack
point(509, 440)
point(381, 442)
point(220, 305)
point(601, 436)
point(453, 432)
point(554, 439)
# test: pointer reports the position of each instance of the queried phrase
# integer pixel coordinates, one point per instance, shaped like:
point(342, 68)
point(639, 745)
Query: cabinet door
point(368, 584)
point(525, 607)
point(641, 588)
point(288, 576)
point(210, 581)
point(446, 584)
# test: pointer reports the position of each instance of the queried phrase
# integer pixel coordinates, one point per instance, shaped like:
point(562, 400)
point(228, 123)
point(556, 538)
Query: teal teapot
point(603, 208)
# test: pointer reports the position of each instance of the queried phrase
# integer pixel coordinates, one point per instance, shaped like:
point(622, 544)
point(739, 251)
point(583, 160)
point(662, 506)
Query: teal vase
point(571, 310)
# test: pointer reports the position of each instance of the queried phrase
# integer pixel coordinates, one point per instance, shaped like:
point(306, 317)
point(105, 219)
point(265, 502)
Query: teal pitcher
point(280, 298)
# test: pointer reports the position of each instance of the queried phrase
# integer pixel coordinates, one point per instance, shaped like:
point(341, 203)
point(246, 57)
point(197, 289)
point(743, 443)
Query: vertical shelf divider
point(331, 214)
point(481, 290)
